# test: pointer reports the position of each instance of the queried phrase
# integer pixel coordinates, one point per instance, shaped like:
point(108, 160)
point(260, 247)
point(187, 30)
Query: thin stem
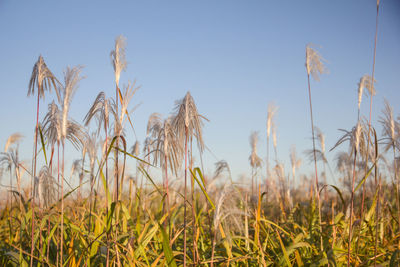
point(166, 187)
point(370, 109)
point(62, 205)
point(351, 207)
point(267, 171)
point(33, 180)
point(184, 205)
point(377, 218)
point(58, 193)
point(117, 145)
point(315, 157)
point(108, 233)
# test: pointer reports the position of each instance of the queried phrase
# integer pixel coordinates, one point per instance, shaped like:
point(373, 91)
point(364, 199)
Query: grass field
point(180, 216)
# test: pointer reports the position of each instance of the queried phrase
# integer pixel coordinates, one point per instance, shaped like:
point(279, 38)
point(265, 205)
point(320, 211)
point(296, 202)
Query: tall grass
point(230, 223)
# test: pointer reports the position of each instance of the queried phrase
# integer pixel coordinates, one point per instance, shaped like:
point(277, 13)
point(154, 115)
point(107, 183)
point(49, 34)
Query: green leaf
point(202, 185)
point(340, 194)
point(167, 249)
point(394, 260)
point(133, 156)
point(151, 180)
point(285, 254)
point(365, 177)
point(43, 143)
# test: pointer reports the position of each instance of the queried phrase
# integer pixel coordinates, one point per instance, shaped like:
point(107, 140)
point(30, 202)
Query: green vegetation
point(136, 220)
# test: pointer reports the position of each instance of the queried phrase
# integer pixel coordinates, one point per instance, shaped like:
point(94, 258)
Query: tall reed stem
point(185, 197)
point(33, 180)
point(370, 107)
point(351, 207)
point(62, 206)
point(315, 159)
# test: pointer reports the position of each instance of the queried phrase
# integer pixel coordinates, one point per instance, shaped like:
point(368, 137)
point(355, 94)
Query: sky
point(235, 57)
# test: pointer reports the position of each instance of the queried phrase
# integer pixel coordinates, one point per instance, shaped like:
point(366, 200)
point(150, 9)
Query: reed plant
point(230, 226)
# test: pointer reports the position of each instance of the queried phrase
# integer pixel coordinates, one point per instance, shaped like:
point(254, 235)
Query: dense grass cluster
point(276, 219)
point(230, 228)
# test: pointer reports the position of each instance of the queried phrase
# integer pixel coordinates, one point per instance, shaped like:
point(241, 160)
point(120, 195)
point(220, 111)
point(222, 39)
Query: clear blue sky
point(234, 56)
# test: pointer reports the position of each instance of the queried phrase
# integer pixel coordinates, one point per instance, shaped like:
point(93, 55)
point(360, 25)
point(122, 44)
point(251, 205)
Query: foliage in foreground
point(238, 229)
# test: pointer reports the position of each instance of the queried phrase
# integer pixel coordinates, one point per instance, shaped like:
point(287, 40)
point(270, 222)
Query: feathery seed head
point(293, 160)
point(99, 110)
point(47, 187)
point(255, 160)
point(321, 139)
point(272, 109)
point(15, 138)
point(314, 62)
point(274, 135)
point(188, 120)
point(365, 83)
point(135, 150)
point(71, 81)
point(42, 78)
point(391, 127)
point(118, 59)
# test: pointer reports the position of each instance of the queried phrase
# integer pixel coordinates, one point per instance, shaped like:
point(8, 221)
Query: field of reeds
point(177, 215)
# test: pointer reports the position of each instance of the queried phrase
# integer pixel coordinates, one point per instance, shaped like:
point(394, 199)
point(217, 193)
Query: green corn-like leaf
point(202, 185)
point(365, 177)
point(285, 254)
point(340, 194)
point(151, 180)
point(166, 248)
point(43, 143)
point(395, 259)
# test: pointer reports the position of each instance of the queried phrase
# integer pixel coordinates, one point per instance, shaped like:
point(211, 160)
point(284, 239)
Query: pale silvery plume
point(226, 210)
point(52, 128)
point(365, 83)
point(344, 162)
point(127, 95)
point(118, 60)
point(321, 139)
point(47, 187)
point(135, 149)
point(187, 123)
point(356, 137)
point(188, 119)
point(76, 166)
point(272, 109)
point(284, 191)
point(167, 148)
point(91, 146)
point(15, 138)
point(129, 91)
point(153, 127)
point(295, 162)
point(42, 78)
point(10, 159)
point(314, 62)
point(319, 156)
point(52, 124)
point(255, 160)
point(153, 124)
point(220, 166)
point(75, 133)
point(274, 139)
point(71, 81)
point(391, 128)
point(11, 154)
point(6, 161)
point(319, 153)
point(99, 110)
